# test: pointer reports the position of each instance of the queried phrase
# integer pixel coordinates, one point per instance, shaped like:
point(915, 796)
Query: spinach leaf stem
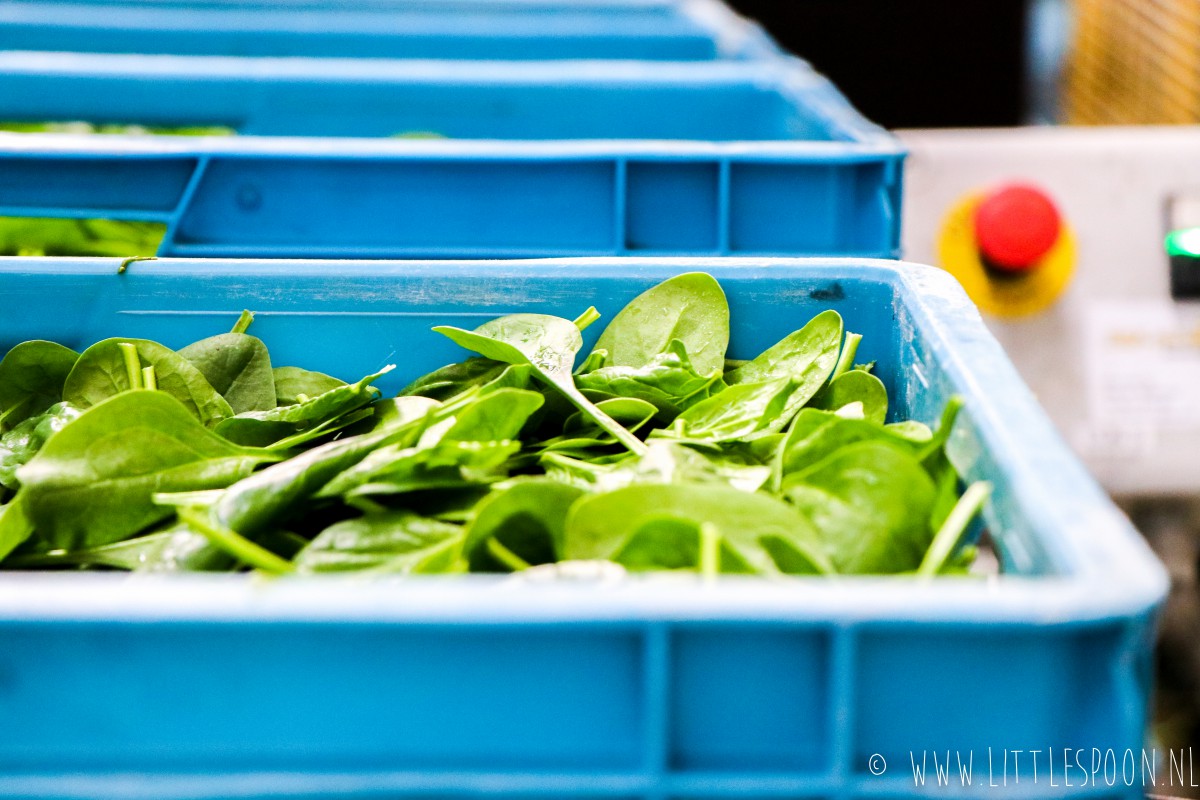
point(506, 557)
point(952, 530)
point(234, 543)
point(133, 365)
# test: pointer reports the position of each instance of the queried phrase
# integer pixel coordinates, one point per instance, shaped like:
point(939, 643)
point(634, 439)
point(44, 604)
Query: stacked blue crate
point(565, 158)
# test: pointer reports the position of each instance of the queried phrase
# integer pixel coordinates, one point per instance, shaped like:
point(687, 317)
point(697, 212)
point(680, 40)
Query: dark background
point(911, 64)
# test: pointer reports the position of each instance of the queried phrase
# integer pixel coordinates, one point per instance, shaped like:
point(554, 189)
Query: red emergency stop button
point(1015, 226)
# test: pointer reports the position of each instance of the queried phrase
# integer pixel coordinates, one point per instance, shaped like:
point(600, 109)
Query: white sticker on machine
point(1142, 368)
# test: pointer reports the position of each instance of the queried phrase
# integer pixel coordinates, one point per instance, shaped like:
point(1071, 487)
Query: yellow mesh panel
point(1134, 62)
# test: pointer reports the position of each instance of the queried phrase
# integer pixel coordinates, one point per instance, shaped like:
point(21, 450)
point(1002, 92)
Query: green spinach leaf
point(238, 366)
point(690, 308)
point(267, 428)
point(32, 375)
point(871, 503)
point(548, 344)
point(527, 518)
point(455, 379)
point(397, 542)
point(93, 482)
point(668, 380)
point(101, 373)
point(294, 385)
point(600, 526)
point(855, 386)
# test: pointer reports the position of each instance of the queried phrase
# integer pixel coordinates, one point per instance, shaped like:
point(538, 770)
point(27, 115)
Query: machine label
point(1142, 362)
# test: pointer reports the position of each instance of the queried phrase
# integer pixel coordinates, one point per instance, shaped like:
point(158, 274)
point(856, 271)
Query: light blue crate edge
point(732, 36)
point(792, 76)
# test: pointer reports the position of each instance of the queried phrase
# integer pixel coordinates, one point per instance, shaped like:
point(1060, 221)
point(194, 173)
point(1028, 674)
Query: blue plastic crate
point(547, 158)
point(455, 688)
point(668, 30)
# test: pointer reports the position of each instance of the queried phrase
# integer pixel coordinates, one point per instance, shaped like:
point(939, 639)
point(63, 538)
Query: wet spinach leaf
point(548, 344)
point(689, 308)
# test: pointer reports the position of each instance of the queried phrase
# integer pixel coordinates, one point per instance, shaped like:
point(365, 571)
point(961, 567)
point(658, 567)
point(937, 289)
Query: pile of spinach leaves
point(45, 236)
point(655, 452)
point(49, 236)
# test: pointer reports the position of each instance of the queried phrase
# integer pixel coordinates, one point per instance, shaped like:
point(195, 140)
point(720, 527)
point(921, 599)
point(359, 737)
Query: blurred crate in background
point(661, 30)
point(519, 159)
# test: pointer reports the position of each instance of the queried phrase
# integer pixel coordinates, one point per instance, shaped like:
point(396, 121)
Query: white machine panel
point(1115, 359)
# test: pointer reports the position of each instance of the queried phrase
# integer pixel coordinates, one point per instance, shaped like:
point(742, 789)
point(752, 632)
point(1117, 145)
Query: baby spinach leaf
point(595, 360)
point(766, 393)
point(401, 410)
point(292, 382)
point(845, 361)
point(93, 482)
point(739, 412)
point(599, 526)
point(669, 462)
point(238, 367)
point(584, 474)
point(871, 503)
point(581, 435)
point(549, 344)
point(16, 448)
point(631, 412)
point(445, 465)
point(855, 386)
point(101, 373)
point(47, 236)
point(662, 542)
point(690, 308)
point(911, 430)
point(20, 444)
point(15, 525)
point(664, 462)
point(32, 375)
point(265, 428)
point(397, 542)
point(527, 518)
point(815, 435)
point(807, 356)
point(255, 504)
point(469, 444)
point(668, 380)
point(239, 548)
point(674, 543)
point(500, 414)
point(176, 549)
point(454, 379)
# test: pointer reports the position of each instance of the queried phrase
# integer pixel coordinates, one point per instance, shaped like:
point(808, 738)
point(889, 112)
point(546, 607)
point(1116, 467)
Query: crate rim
point(871, 147)
point(792, 77)
point(735, 37)
point(1106, 569)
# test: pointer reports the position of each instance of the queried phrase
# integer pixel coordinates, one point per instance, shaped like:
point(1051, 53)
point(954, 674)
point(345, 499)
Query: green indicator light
point(1183, 242)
